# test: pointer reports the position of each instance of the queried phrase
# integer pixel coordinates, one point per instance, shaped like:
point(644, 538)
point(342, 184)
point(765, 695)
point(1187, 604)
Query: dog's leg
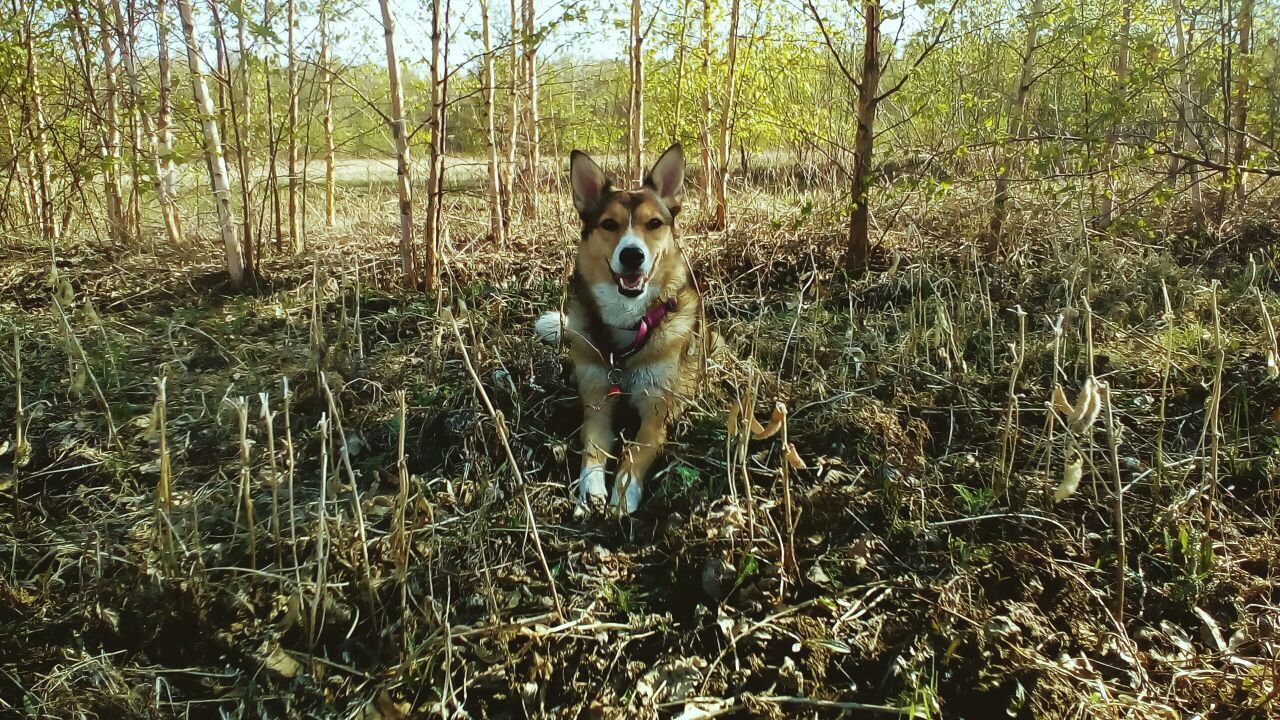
point(597, 434)
point(652, 389)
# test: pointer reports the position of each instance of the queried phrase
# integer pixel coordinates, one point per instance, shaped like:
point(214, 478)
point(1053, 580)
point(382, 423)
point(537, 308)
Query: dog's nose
point(631, 258)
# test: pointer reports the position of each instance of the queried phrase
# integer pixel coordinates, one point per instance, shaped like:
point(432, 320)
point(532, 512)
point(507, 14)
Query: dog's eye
point(654, 223)
point(609, 225)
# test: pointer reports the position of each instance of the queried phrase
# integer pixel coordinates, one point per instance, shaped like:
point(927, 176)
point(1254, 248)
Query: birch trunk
point(497, 228)
point(295, 240)
point(167, 174)
point(532, 139)
point(704, 126)
point(213, 148)
point(720, 209)
point(1119, 94)
point(859, 249)
point(36, 129)
point(635, 107)
point(399, 131)
point(431, 228)
point(244, 144)
point(1244, 66)
point(1017, 108)
point(116, 222)
point(513, 119)
point(680, 60)
point(330, 213)
point(1185, 106)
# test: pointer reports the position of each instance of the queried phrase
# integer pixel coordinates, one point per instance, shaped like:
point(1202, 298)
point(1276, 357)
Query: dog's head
point(628, 237)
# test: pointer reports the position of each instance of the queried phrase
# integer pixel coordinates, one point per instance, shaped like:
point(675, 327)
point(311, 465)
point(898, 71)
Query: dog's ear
point(588, 181)
point(666, 178)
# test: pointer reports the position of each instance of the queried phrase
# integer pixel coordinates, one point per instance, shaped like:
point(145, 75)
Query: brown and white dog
point(632, 321)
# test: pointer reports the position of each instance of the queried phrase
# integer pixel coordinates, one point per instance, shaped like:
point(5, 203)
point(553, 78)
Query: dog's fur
point(605, 305)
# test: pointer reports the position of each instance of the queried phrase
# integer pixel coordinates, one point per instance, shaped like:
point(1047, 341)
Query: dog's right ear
point(588, 181)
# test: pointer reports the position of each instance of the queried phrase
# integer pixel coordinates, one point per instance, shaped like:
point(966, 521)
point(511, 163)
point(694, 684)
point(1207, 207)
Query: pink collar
point(643, 329)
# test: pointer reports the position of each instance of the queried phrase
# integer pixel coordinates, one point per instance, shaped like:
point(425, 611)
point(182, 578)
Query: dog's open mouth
point(631, 285)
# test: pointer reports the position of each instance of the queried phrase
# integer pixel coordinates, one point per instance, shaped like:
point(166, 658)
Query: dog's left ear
point(666, 178)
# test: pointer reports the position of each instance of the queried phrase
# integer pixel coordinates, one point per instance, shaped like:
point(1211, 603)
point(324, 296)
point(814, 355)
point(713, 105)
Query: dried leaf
point(281, 663)
point(1088, 406)
point(775, 423)
point(1060, 402)
point(1273, 365)
point(794, 459)
point(732, 424)
point(1210, 632)
point(1071, 475)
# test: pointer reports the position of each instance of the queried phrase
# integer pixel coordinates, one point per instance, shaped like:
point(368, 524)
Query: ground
point(927, 555)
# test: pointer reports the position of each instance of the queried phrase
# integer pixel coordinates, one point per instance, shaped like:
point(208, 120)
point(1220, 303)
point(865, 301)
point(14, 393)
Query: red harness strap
point(615, 356)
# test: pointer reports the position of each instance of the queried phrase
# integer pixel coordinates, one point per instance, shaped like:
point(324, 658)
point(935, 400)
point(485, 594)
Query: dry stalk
point(500, 426)
point(112, 438)
point(322, 534)
point(164, 490)
point(400, 541)
point(1160, 469)
point(290, 467)
point(787, 454)
point(1117, 504)
point(344, 456)
point(268, 418)
point(1009, 427)
point(21, 451)
point(1214, 430)
point(1273, 372)
point(246, 476)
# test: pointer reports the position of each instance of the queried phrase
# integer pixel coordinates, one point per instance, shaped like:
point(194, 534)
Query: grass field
point(294, 502)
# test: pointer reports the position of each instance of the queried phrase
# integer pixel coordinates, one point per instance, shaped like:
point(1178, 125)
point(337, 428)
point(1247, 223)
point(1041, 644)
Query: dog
point(632, 322)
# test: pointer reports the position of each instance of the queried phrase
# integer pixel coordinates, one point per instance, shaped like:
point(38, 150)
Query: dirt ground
point(947, 545)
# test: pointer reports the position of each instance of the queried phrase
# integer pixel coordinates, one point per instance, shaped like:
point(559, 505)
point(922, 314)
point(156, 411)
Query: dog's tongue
point(631, 282)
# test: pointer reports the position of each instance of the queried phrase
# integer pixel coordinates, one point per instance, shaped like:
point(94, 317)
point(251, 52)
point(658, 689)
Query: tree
point(295, 240)
point(236, 269)
point(530, 122)
point(1243, 69)
point(497, 223)
point(167, 176)
point(400, 133)
point(38, 135)
point(326, 118)
point(635, 104)
point(435, 169)
point(720, 206)
point(1118, 94)
point(1017, 113)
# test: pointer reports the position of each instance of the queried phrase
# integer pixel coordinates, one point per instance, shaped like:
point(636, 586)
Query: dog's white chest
point(619, 311)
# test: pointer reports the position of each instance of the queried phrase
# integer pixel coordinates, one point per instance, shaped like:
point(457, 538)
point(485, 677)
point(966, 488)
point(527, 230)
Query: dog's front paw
point(626, 493)
point(591, 489)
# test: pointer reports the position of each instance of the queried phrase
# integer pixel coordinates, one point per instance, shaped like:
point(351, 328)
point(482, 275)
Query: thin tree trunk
point(1185, 106)
point(431, 229)
point(1243, 70)
point(168, 173)
point(720, 210)
point(635, 107)
point(497, 227)
point(404, 175)
point(213, 148)
point(859, 250)
point(330, 212)
point(680, 60)
point(513, 119)
point(135, 98)
point(1119, 95)
point(533, 141)
point(273, 139)
point(52, 229)
point(1017, 109)
point(244, 142)
point(295, 240)
point(116, 221)
point(704, 126)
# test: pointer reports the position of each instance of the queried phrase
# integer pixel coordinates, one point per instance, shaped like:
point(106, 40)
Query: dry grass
point(343, 557)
